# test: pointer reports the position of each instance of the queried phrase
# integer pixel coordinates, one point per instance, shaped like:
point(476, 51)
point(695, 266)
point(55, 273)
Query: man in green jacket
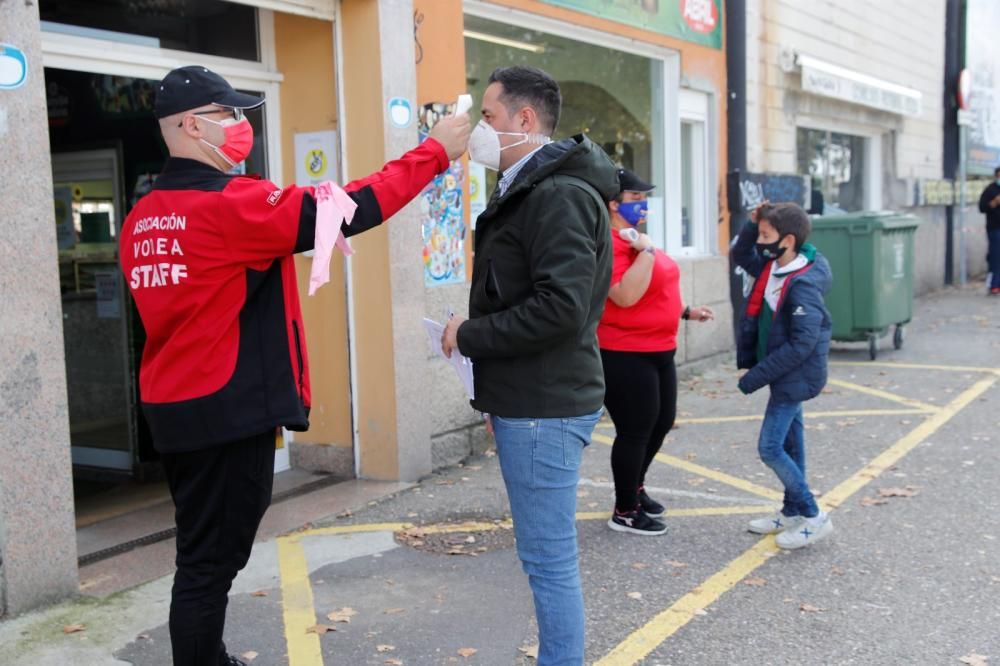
point(540, 279)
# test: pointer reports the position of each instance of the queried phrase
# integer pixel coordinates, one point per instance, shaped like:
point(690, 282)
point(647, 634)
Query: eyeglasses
point(236, 113)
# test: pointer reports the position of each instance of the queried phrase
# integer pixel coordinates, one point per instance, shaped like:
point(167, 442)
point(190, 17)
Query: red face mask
point(238, 141)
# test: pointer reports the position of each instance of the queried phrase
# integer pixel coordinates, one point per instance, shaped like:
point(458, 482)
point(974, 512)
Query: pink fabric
point(333, 205)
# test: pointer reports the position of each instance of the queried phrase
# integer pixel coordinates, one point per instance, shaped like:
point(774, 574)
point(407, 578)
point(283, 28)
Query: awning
point(829, 80)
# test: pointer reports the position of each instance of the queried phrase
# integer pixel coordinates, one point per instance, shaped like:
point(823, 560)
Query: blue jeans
point(540, 462)
point(994, 257)
point(782, 447)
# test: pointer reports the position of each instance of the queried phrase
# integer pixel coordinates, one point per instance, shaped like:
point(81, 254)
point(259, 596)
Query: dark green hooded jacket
point(540, 278)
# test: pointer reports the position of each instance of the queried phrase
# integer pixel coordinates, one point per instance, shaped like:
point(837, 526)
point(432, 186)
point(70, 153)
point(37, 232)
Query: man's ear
point(189, 125)
point(528, 120)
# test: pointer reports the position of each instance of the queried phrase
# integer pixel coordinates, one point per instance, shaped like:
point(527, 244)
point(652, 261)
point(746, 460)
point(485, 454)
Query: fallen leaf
point(249, 655)
point(896, 492)
point(342, 615)
point(809, 608)
point(873, 501)
point(474, 468)
point(74, 628)
point(259, 593)
point(467, 652)
point(392, 661)
point(755, 581)
point(385, 648)
point(837, 571)
point(143, 637)
point(345, 514)
point(974, 659)
point(530, 651)
point(639, 566)
point(675, 563)
point(634, 595)
point(393, 611)
point(320, 629)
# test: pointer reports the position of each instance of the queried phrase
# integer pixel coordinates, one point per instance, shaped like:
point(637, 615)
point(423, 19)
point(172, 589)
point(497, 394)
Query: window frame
point(116, 58)
point(872, 137)
point(668, 87)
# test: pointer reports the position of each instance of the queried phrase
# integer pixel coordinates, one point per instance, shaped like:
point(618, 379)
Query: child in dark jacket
point(784, 341)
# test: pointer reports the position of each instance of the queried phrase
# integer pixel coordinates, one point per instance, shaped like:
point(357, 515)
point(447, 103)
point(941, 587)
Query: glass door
point(89, 208)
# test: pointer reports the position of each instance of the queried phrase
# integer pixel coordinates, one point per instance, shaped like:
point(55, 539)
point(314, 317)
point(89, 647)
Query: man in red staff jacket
point(208, 259)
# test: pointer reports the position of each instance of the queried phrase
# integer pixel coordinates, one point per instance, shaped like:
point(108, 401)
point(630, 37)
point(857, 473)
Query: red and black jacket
point(208, 259)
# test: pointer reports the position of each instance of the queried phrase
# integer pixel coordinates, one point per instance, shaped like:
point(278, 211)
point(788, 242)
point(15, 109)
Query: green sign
point(697, 21)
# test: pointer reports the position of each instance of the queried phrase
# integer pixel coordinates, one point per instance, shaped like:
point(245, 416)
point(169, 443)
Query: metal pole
point(963, 132)
point(736, 130)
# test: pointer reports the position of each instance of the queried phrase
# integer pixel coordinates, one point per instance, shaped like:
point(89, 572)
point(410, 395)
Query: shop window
point(613, 97)
point(838, 168)
point(212, 27)
point(697, 216)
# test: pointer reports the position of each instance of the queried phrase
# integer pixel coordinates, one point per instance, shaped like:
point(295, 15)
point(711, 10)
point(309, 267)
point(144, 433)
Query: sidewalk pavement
point(902, 452)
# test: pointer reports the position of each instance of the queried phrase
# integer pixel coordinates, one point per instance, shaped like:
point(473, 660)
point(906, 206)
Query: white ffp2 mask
point(485, 148)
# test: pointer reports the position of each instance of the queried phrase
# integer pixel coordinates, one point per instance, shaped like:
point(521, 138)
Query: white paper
point(462, 364)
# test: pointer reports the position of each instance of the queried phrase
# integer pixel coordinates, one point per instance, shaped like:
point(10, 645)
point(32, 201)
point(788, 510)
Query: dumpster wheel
point(898, 337)
point(873, 346)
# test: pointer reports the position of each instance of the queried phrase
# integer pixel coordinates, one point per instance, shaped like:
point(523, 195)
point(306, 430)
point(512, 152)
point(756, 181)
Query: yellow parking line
point(891, 456)
point(916, 366)
point(647, 638)
point(885, 395)
point(298, 608)
point(640, 643)
point(707, 472)
point(846, 413)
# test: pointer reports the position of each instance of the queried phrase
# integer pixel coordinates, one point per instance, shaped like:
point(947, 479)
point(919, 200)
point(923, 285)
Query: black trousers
point(220, 495)
point(641, 397)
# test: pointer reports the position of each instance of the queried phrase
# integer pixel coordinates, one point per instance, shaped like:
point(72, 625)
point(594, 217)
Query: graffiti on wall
point(442, 217)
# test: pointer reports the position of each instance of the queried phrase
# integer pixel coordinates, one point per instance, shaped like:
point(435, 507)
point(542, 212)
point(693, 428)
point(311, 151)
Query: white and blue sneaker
point(806, 533)
point(774, 524)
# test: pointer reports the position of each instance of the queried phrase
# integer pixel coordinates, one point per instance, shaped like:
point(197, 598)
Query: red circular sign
point(964, 88)
point(700, 15)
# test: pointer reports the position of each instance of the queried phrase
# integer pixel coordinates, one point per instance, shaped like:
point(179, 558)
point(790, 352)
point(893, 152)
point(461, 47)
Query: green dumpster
point(871, 255)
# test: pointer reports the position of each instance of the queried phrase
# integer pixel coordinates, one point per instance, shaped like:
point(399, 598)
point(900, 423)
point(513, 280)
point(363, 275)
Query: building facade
point(349, 85)
point(849, 97)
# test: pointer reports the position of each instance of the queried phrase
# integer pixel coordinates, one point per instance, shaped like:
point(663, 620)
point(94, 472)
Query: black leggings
point(641, 397)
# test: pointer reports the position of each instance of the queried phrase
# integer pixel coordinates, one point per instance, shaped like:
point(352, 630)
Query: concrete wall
point(898, 42)
point(902, 43)
point(37, 535)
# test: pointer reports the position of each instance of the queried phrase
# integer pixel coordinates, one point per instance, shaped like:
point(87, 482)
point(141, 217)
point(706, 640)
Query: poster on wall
point(65, 231)
point(442, 216)
point(477, 191)
point(315, 157)
point(109, 305)
point(698, 21)
point(982, 58)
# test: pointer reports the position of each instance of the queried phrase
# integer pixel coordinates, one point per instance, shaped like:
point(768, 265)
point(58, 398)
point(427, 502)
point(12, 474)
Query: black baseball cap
point(187, 88)
point(632, 183)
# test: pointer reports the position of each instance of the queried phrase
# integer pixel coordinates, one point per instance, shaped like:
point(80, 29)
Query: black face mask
point(770, 250)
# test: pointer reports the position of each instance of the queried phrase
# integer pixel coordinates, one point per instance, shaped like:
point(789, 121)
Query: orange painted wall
point(305, 55)
point(365, 130)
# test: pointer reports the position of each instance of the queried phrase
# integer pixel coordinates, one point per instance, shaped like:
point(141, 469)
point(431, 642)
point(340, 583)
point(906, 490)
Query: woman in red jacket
point(638, 340)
